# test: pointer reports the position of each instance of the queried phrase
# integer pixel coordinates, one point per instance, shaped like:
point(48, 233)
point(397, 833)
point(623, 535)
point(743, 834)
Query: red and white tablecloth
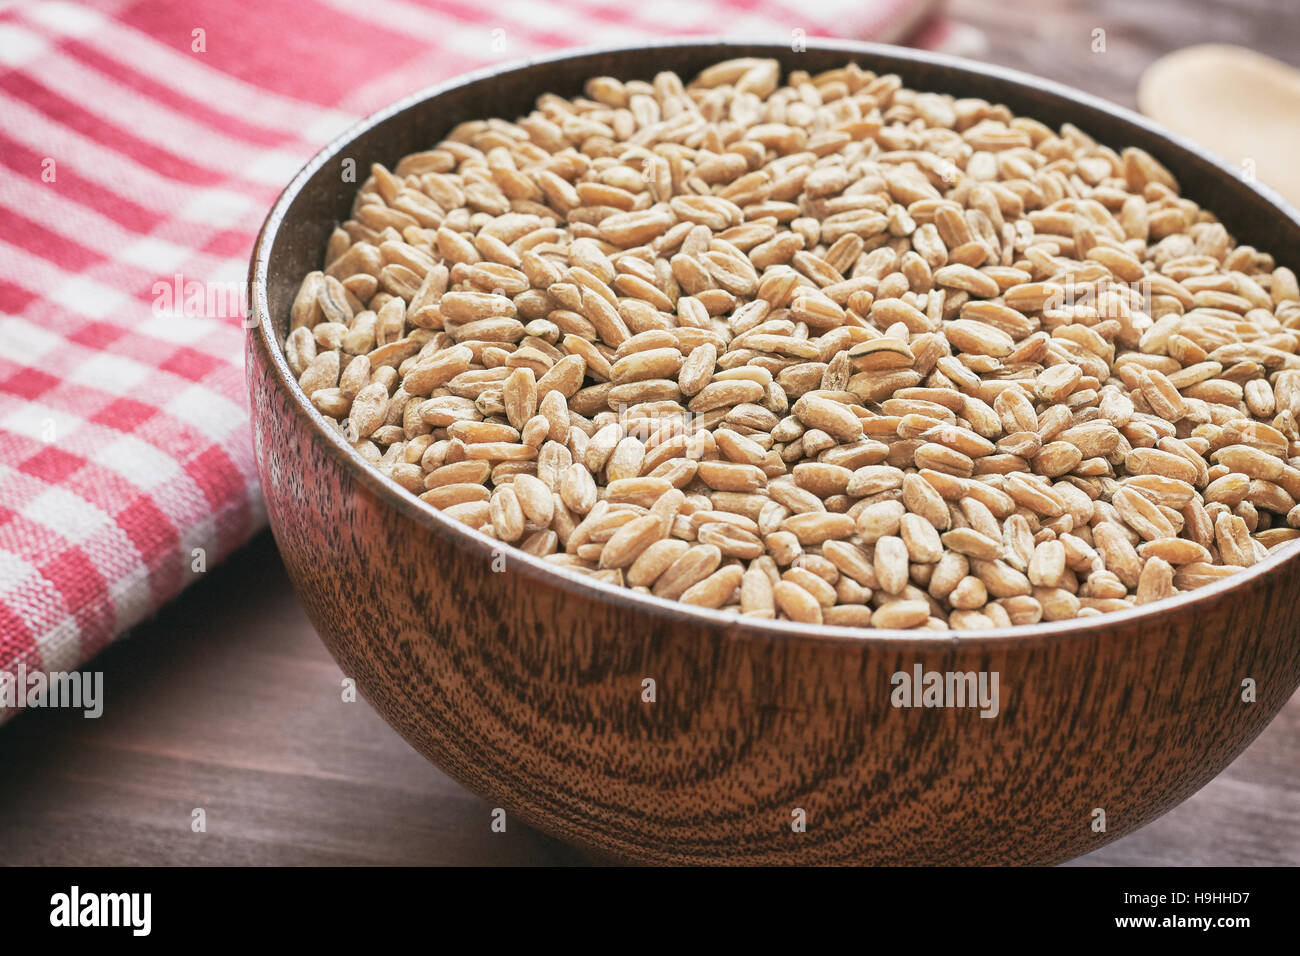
point(141, 143)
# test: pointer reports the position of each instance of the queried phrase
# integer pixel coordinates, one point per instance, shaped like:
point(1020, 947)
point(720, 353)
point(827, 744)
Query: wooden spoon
point(1239, 103)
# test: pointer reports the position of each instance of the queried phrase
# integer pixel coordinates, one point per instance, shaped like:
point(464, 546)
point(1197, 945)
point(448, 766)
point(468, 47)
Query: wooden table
point(1055, 38)
point(228, 702)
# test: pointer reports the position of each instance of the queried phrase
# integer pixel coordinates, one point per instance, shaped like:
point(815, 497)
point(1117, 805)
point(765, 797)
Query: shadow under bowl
point(528, 684)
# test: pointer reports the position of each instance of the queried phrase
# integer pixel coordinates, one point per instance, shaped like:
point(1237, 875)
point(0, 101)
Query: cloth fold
point(142, 142)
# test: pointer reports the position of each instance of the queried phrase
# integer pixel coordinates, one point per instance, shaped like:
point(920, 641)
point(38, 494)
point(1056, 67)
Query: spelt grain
point(826, 351)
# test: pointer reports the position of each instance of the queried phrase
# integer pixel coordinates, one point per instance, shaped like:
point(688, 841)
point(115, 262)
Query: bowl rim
point(261, 332)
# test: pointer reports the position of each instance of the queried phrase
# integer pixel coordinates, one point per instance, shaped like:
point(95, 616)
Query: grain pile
point(829, 350)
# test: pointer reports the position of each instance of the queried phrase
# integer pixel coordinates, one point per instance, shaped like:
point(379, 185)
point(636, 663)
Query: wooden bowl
point(526, 683)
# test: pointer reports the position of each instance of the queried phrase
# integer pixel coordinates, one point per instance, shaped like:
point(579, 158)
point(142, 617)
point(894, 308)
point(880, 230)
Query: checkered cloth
point(141, 143)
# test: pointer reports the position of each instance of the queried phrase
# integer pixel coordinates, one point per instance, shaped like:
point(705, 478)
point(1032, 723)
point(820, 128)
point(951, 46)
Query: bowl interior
point(294, 237)
point(322, 197)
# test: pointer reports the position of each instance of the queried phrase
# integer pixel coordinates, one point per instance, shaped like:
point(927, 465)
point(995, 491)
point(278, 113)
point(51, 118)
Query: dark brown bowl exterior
point(526, 683)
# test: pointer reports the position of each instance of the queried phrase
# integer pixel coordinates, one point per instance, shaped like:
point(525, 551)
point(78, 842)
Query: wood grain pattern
point(228, 700)
point(526, 684)
point(1054, 38)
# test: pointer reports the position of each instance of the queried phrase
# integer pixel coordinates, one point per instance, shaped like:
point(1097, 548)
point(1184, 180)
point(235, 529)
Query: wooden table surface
point(227, 701)
point(1055, 38)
